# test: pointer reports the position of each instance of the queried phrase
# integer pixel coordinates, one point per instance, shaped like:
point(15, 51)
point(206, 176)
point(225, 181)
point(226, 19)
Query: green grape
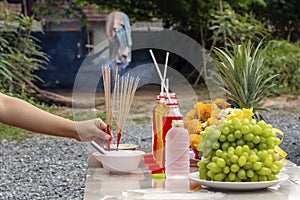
point(228, 162)
point(232, 176)
point(237, 123)
point(222, 138)
point(262, 178)
point(271, 152)
point(208, 143)
point(226, 130)
point(240, 142)
point(242, 161)
point(245, 129)
point(226, 169)
point(237, 179)
point(231, 137)
point(245, 121)
point(251, 145)
point(238, 150)
point(257, 165)
point(224, 155)
point(214, 159)
point(253, 158)
point(248, 165)
point(263, 155)
point(238, 134)
point(263, 146)
point(216, 169)
point(256, 129)
point(242, 174)
point(225, 146)
point(271, 146)
point(275, 169)
point(261, 123)
point(219, 176)
point(227, 179)
point(255, 177)
point(209, 129)
point(253, 121)
point(246, 148)
point(250, 173)
point(233, 144)
point(267, 132)
point(211, 165)
point(248, 137)
point(269, 140)
point(256, 139)
point(230, 154)
point(252, 152)
point(278, 164)
point(203, 173)
point(264, 171)
point(275, 157)
point(234, 168)
point(201, 164)
point(269, 126)
point(230, 149)
point(226, 123)
point(234, 158)
point(219, 153)
point(221, 162)
point(245, 154)
point(272, 177)
point(216, 145)
point(210, 174)
point(232, 128)
point(268, 161)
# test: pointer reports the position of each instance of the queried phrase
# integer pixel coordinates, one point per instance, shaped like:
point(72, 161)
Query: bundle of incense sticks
point(124, 91)
point(107, 93)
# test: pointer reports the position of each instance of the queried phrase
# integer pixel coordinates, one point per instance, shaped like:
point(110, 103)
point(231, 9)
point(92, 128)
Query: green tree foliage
point(237, 27)
point(283, 57)
point(56, 10)
point(20, 55)
point(282, 16)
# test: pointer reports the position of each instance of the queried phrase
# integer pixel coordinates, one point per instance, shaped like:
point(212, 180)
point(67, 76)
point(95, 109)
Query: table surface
point(101, 184)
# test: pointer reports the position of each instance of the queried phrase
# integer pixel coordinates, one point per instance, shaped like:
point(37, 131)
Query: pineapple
point(241, 77)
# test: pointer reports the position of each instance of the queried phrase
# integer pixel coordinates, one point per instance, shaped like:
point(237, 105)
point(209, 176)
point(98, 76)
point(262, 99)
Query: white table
point(100, 184)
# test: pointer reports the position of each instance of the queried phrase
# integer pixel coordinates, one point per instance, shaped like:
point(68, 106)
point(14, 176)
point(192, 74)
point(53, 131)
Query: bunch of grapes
point(240, 151)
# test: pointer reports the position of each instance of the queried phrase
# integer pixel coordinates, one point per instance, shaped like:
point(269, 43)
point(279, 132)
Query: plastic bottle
point(158, 146)
point(177, 151)
point(173, 113)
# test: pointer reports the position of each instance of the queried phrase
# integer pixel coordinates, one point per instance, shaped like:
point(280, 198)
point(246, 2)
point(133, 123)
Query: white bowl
point(123, 147)
point(120, 161)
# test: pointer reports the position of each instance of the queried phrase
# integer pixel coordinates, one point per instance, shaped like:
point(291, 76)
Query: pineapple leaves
point(239, 74)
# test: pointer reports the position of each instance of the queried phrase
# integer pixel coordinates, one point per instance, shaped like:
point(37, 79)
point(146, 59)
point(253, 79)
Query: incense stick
point(124, 92)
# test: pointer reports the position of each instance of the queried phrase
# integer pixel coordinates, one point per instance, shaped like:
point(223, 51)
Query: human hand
point(92, 130)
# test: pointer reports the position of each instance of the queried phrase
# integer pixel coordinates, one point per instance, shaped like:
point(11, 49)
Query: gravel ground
point(55, 168)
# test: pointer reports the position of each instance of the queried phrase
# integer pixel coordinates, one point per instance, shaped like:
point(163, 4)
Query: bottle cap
point(177, 122)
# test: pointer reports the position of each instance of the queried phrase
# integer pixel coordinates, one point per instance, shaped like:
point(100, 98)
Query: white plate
point(238, 185)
